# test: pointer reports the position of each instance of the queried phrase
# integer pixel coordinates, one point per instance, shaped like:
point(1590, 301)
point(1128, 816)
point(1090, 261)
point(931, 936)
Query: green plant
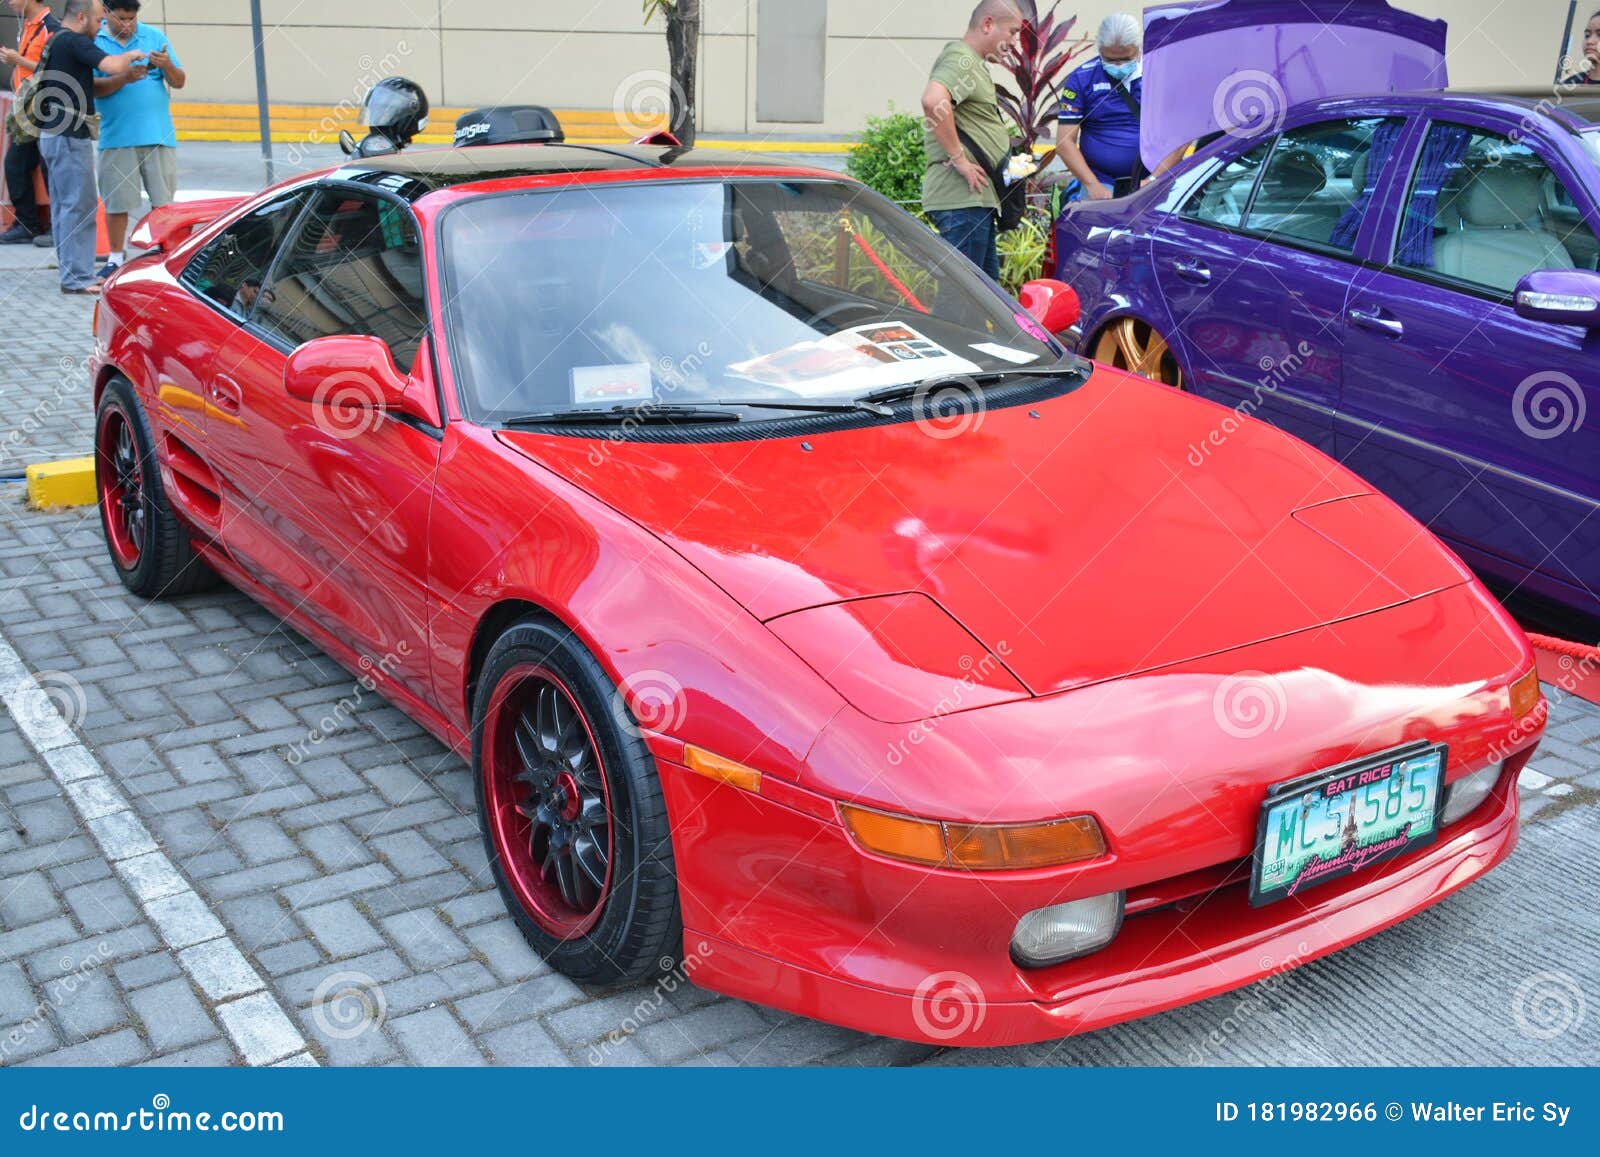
point(1022, 252)
point(1044, 56)
point(889, 158)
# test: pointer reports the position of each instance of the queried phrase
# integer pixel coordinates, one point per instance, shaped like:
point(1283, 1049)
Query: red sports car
point(807, 613)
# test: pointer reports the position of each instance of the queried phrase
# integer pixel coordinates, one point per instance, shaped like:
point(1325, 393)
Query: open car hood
point(1236, 66)
point(1074, 537)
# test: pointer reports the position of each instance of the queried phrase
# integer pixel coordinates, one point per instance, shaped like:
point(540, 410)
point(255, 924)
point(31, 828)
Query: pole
point(1566, 41)
point(261, 87)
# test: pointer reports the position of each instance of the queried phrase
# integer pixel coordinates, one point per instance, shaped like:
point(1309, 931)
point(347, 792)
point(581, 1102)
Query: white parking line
point(250, 1014)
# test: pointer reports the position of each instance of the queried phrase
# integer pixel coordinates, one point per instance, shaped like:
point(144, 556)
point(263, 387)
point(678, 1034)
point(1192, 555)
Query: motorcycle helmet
point(395, 108)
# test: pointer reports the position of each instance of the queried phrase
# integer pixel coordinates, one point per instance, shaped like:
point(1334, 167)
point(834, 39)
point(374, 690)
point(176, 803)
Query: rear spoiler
point(166, 228)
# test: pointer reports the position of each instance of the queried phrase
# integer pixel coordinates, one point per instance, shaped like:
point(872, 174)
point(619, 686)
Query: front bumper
point(1164, 957)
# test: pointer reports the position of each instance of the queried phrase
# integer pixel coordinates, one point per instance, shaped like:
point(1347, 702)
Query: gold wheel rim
point(1132, 345)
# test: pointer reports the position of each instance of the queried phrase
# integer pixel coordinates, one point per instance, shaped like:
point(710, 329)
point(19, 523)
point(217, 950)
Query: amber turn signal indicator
point(698, 759)
point(1525, 695)
point(975, 847)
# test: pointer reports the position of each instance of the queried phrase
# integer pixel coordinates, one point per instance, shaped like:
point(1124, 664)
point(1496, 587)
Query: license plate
point(1324, 826)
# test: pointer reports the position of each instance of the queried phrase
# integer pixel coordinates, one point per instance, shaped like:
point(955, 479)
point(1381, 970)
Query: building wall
point(598, 54)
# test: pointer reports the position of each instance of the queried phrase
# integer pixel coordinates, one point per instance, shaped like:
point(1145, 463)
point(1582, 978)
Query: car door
point(1256, 266)
point(326, 503)
point(1470, 416)
point(193, 395)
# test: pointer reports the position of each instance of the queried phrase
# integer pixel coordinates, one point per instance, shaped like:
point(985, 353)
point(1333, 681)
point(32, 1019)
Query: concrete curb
point(67, 482)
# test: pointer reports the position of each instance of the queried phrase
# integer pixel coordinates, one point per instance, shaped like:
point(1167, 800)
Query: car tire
point(555, 753)
point(1134, 345)
point(150, 549)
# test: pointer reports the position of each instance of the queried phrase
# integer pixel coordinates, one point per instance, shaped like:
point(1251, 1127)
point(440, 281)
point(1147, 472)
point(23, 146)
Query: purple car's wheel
point(548, 807)
point(151, 551)
point(1138, 347)
point(571, 805)
point(120, 478)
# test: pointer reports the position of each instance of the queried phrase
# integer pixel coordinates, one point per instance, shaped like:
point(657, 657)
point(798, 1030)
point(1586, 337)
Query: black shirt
point(66, 88)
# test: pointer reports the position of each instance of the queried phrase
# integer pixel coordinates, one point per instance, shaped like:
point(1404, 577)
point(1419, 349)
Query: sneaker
point(18, 234)
point(108, 269)
point(43, 241)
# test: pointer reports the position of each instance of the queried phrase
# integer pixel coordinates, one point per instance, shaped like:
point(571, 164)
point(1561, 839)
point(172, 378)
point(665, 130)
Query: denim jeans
point(972, 233)
point(69, 169)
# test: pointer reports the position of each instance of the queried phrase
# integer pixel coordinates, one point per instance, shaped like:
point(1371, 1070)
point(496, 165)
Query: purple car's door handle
point(1193, 270)
point(1378, 320)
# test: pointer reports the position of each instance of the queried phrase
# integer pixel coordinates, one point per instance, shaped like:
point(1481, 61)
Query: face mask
point(1120, 71)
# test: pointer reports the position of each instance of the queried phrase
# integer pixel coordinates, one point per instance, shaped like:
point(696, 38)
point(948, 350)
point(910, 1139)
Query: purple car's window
point(1321, 180)
point(689, 291)
point(1483, 211)
point(1223, 199)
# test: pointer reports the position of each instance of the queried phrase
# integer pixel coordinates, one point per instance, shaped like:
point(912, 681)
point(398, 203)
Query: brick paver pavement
point(235, 854)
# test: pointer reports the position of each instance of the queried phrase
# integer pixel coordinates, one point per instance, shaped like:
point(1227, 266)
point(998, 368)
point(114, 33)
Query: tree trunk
point(683, 50)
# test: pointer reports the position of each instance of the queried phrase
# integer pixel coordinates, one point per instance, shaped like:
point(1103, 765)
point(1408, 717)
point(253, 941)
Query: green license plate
point(1324, 826)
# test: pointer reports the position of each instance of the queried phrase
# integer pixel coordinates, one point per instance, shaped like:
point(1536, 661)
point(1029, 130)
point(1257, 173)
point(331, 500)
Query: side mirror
point(1561, 296)
point(350, 375)
point(347, 143)
point(1053, 304)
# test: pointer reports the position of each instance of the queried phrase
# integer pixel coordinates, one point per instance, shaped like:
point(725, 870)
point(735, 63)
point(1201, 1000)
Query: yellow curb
point(288, 138)
point(69, 482)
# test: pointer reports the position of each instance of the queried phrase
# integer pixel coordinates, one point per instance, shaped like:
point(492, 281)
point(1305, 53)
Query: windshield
point(692, 292)
point(1592, 139)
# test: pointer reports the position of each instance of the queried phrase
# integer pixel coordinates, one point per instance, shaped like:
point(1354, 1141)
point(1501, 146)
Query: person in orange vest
point(37, 26)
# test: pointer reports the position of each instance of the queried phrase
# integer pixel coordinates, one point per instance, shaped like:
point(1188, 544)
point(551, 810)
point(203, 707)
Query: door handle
point(226, 394)
point(1192, 269)
point(1378, 320)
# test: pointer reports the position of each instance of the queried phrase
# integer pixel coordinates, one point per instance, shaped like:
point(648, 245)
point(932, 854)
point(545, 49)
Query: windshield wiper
point(989, 377)
point(647, 413)
point(821, 406)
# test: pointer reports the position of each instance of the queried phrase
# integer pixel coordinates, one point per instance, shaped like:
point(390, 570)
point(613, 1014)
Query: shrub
point(889, 158)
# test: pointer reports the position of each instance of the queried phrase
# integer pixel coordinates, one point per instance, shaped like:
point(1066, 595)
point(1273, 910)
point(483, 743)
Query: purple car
point(1405, 281)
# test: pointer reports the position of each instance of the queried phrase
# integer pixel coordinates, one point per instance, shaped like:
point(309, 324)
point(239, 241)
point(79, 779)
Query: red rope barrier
point(899, 286)
point(1564, 647)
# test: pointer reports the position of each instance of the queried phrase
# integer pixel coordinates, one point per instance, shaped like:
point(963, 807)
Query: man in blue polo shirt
point(138, 144)
point(1098, 135)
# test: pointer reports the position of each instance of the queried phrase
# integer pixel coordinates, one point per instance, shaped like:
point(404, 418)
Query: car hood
point(1235, 66)
point(1117, 528)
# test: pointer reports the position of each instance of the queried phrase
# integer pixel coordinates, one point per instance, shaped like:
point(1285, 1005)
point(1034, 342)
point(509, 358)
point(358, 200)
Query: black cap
point(508, 124)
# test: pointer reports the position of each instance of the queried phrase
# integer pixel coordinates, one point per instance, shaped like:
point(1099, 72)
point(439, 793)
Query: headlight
point(1062, 931)
point(1468, 792)
point(977, 847)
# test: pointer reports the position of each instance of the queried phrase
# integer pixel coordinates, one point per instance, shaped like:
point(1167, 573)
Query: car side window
point(1484, 211)
point(230, 268)
point(1321, 181)
point(354, 266)
point(1223, 198)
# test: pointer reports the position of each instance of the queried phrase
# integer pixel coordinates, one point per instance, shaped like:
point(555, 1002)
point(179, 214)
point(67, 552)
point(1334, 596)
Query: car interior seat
point(1493, 233)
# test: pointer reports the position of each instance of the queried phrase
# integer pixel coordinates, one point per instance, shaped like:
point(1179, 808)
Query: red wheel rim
point(548, 803)
point(120, 476)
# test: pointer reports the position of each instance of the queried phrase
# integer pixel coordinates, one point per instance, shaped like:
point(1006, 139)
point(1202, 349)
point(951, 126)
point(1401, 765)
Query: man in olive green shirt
point(957, 193)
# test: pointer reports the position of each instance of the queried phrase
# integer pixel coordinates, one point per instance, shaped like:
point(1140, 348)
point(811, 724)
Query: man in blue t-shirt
point(138, 143)
point(1098, 135)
